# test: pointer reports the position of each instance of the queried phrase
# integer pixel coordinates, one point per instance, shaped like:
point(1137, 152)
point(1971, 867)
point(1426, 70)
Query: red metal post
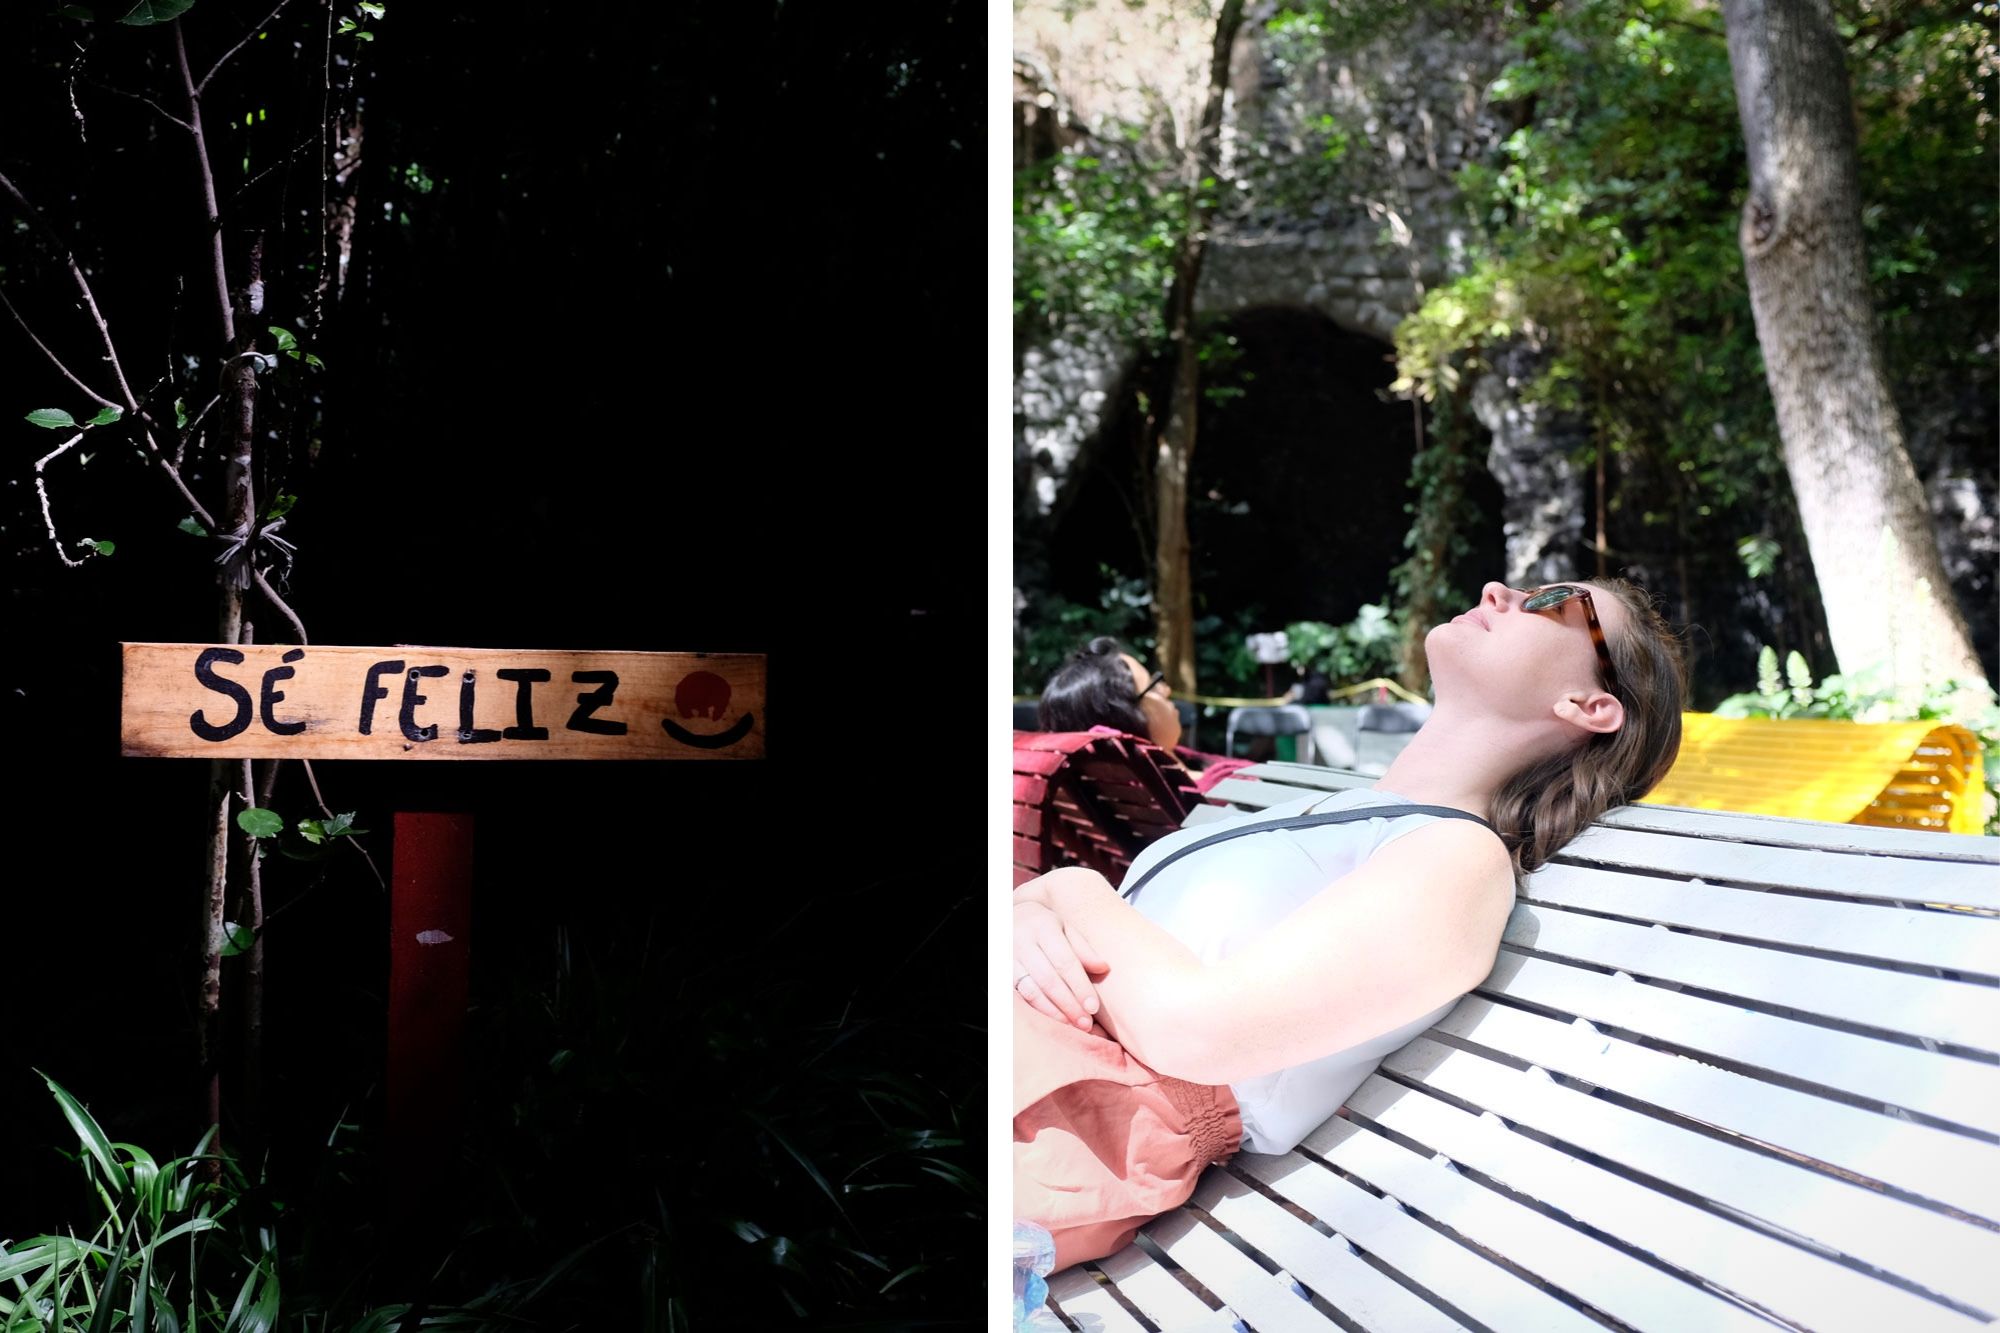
point(430, 930)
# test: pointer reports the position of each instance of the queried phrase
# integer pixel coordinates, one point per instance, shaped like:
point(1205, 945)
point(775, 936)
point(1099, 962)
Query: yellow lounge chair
point(1914, 775)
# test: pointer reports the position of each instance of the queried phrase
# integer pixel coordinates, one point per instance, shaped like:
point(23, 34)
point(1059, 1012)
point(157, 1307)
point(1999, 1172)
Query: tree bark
point(1889, 606)
point(238, 390)
point(1173, 586)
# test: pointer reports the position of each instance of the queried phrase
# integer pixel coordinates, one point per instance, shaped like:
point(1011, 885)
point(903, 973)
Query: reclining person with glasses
point(1247, 976)
point(1101, 687)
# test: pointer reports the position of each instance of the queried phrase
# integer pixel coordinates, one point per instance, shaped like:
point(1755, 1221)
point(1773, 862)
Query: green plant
point(1867, 697)
point(1363, 648)
point(172, 1252)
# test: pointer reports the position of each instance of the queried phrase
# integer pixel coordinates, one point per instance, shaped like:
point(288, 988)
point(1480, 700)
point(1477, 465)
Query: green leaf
point(256, 1308)
point(192, 526)
point(373, 11)
point(105, 416)
point(180, 414)
point(340, 824)
point(347, 26)
point(259, 822)
point(156, 11)
point(364, 34)
point(315, 362)
point(286, 341)
point(52, 418)
point(87, 1133)
point(100, 547)
point(236, 939)
point(312, 831)
point(281, 506)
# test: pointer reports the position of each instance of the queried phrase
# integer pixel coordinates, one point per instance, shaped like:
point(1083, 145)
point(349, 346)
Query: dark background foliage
point(651, 316)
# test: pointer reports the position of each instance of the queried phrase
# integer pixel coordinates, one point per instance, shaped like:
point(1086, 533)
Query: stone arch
point(1299, 483)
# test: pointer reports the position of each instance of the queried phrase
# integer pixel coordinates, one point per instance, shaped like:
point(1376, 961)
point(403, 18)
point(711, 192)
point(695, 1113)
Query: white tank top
point(1215, 902)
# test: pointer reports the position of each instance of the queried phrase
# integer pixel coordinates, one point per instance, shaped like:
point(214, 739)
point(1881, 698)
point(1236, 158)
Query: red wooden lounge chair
point(1092, 799)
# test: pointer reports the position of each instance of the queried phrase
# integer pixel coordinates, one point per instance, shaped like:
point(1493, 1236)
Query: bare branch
point(180, 448)
point(83, 284)
point(279, 605)
point(41, 488)
point(166, 465)
point(54, 360)
point(227, 55)
point(212, 219)
point(147, 100)
point(289, 154)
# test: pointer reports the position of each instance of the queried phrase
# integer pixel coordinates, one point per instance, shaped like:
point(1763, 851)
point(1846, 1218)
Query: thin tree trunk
point(1888, 603)
point(238, 388)
point(1173, 585)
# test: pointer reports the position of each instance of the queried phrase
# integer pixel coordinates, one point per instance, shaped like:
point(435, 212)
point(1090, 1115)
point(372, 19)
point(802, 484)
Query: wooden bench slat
point(1938, 1252)
point(1954, 940)
point(1932, 1163)
point(1078, 1294)
point(1708, 825)
point(1040, 763)
point(1596, 1273)
point(1791, 1282)
point(1210, 814)
point(1262, 1300)
point(1326, 1265)
point(1157, 1293)
point(1249, 795)
point(1776, 831)
point(1966, 1092)
point(1954, 1011)
point(1956, 883)
point(1468, 1280)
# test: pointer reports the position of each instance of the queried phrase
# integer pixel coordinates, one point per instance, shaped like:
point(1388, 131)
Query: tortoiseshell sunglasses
point(1553, 596)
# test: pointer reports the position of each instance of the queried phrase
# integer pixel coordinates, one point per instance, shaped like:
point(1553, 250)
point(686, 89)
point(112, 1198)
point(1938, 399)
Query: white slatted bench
point(1729, 1072)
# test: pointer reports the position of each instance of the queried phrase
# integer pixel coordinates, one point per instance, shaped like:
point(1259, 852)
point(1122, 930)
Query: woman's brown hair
point(1541, 808)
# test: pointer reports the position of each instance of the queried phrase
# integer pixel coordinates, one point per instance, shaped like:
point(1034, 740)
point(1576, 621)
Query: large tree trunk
point(1888, 603)
point(1173, 585)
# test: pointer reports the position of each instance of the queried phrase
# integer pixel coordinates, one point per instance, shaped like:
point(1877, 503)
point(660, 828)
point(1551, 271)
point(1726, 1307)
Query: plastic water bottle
point(1034, 1257)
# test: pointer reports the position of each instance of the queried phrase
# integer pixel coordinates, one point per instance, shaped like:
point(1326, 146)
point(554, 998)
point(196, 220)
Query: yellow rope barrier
point(1224, 701)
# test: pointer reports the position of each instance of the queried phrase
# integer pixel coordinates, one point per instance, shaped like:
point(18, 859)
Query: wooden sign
point(254, 701)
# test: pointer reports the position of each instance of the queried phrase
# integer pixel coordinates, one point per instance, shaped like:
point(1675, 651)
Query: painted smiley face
point(703, 694)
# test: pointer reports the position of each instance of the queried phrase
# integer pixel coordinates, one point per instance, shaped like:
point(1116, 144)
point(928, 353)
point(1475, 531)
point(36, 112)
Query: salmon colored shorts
point(1102, 1144)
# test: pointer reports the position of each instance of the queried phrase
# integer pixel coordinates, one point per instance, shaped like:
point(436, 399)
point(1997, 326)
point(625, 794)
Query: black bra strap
point(1301, 821)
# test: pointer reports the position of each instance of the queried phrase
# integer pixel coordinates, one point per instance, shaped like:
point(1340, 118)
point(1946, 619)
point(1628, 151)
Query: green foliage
point(1051, 627)
point(1868, 697)
point(172, 1251)
point(1094, 239)
point(1362, 649)
point(1441, 515)
point(1759, 555)
point(1605, 234)
point(148, 12)
point(260, 823)
point(52, 418)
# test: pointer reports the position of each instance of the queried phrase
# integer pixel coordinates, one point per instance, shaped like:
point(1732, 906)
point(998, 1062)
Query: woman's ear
point(1593, 710)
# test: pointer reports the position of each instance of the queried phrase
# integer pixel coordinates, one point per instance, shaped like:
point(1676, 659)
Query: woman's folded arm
point(1401, 935)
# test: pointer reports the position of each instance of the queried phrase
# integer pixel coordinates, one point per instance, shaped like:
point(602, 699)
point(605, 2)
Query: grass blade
point(88, 1133)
